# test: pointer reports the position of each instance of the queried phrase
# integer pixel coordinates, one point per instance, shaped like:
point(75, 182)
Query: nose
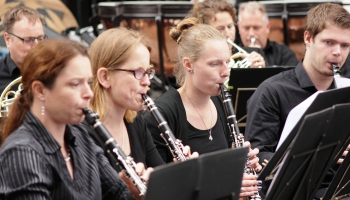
point(251, 32)
point(87, 93)
point(336, 50)
point(35, 42)
point(225, 71)
point(226, 33)
point(145, 81)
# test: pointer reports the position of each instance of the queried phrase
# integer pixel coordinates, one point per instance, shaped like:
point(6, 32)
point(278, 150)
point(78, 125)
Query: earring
point(42, 110)
point(190, 70)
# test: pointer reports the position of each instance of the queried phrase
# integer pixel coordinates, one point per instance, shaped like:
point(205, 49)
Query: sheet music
point(297, 112)
point(341, 82)
point(294, 116)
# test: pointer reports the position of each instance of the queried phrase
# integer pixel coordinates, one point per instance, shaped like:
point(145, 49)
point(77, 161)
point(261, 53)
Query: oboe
point(126, 163)
point(174, 144)
point(238, 138)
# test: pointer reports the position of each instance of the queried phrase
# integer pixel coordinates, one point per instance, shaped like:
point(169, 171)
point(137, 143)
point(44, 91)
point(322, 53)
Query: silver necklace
point(211, 121)
point(67, 158)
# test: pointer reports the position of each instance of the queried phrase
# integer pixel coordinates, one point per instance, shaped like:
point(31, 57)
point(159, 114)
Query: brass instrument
point(237, 64)
point(8, 96)
point(241, 63)
point(238, 138)
point(126, 163)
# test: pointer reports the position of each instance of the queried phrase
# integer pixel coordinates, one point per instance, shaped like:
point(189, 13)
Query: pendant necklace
point(211, 121)
point(67, 158)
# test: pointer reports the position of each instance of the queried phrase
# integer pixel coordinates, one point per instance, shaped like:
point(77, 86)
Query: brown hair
point(17, 13)
point(191, 37)
point(43, 63)
point(205, 11)
point(110, 50)
point(325, 14)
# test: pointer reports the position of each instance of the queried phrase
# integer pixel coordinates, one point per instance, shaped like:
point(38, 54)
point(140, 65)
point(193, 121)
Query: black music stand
point(311, 154)
point(212, 176)
point(322, 101)
point(340, 185)
point(243, 83)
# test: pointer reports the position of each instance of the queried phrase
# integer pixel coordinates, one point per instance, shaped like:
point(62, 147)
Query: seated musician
point(254, 28)
point(23, 29)
point(121, 75)
point(222, 15)
point(194, 112)
point(327, 42)
point(43, 156)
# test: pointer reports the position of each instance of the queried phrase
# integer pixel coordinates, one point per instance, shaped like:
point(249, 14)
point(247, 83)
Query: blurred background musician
point(221, 14)
point(253, 22)
point(327, 42)
point(23, 29)
point(194, 111)
point(43, 156)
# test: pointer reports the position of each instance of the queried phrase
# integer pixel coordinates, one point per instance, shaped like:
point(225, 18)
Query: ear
point(7, 39)
point(39, 90)
point(186, 63)
point(307, 38)
point(268, 26)
point(103, 77)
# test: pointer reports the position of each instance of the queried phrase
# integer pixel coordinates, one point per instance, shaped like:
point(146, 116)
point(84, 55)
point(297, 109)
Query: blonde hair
point(191, 36)
point(110, 50)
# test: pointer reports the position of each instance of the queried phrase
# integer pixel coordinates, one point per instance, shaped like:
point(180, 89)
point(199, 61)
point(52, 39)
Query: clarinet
point(238, 138)
point(126, 163)
point(336, 70)
point(336, 73)
point(174, 144)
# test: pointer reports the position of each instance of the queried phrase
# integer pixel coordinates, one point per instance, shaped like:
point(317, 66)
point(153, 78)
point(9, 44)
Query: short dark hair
point(325, 14)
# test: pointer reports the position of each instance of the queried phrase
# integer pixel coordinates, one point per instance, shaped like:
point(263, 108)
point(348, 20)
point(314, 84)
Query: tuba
point(8, 96)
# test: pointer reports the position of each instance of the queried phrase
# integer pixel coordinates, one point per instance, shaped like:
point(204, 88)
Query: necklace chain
point(211, 121)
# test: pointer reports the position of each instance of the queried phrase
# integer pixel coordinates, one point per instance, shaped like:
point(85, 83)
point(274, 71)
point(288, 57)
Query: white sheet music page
point(295, 115)
point(299, 110)
point(341, 82)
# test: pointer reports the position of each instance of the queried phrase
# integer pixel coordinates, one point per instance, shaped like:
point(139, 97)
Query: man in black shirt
point(23, 28)
point(327, 42)
point(254, 27)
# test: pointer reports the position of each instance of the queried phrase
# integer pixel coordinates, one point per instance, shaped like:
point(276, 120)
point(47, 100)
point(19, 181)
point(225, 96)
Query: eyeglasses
point(30, 40)
point(139, 73)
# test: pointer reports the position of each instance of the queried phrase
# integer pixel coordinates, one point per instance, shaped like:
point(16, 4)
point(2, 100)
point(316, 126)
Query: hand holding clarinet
point(134, 175)
point(252, 165)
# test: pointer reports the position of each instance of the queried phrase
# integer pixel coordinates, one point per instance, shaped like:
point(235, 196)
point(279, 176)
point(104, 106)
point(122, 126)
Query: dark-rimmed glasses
point(139, 73)
point(30, 40)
